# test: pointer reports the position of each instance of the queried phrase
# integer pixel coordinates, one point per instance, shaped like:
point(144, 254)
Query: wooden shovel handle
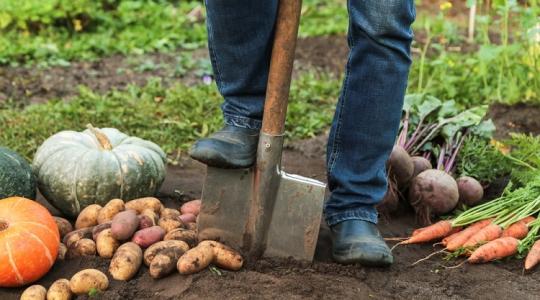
point(281, 66)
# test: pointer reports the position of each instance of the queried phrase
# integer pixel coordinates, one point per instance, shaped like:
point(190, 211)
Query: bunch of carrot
point(494, 230)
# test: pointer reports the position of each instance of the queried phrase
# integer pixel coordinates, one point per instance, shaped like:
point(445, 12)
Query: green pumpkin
point(76, 169)
point(16, 176)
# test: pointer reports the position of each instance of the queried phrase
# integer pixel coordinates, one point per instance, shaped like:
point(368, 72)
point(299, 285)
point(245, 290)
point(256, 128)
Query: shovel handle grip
point(281, 66)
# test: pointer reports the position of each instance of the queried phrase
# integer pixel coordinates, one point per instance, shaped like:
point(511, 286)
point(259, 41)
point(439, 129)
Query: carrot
point(461, 237)
point(454, 233)
point(486, 234)
point(519, 229)
point(435, 231)
point(496, 249)
point(533, 257)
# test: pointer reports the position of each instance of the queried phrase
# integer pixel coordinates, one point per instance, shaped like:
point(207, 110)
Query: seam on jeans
point(336, 145)
point(212, 53)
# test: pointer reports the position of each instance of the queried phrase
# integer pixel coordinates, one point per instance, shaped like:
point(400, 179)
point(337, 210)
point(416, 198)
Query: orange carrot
point(461, 237)
point(533, 257)
point(430, 233)
point(519, 229)
point(496, 249)
point(451, 235)
point(486, 234)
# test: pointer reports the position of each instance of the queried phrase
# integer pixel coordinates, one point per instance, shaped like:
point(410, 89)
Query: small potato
point(172, 245)
point(86, 280)
point(196, 259)
point(74, 236)
point(62, 250)
point(88, 216)
point(192, 226)
point(191, 207)
point(224, 256)
point(181, 234)
point(145, 203)
point(164, 263)
point(59, 290)
point(99, 228)
point(126, 261)
point(170, 213)
point(124, 225)
point(148, 218)
point(64, 227)
point(34, 292)
point(188, 218)
point(148, 236)
point(169, 223)
point(110, 210)
point(83, 247)
point(106, 245)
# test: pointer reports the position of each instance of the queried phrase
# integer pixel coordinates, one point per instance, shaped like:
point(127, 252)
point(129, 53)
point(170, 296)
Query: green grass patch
point(171, 117)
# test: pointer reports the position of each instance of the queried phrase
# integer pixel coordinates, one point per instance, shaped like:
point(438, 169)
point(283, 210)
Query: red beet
point(470, 190)
point(400, 166)
point(420, 165)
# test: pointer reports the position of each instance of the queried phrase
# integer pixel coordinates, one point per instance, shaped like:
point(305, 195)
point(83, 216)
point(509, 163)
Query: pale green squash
point(16, 177)
point(76, 169)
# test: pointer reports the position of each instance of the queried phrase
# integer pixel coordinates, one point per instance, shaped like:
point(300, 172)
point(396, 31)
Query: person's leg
point(240, 35)
point(366, 121)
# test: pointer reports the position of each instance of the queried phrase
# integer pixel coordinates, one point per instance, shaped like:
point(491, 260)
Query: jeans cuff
point(366, 213)
point(242, 122)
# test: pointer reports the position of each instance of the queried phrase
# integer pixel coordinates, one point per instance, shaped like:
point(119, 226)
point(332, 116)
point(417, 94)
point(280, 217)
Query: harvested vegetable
point(82, 247)
point(519, 229)
point(99, 228)
point(148, 236)
point(106, 244)
point(59, 290)
point(62, 251)
point(163, 264)
point(124, 225)
point(400, 166)
point(126, 261)
point(182, 234)
point(17, 177)
point(64, 226)
point(87, 280)
point(196, 259)
point(107, 213)
point(88, 216)
point(495, 249)
point(170, 223)
point(463, 236)
point(420, 165)
point(188, 218)
point(170, 213)
point(486, 234)
point(139, 205)
point(224, 256)
point(191, 207)
point(148, 218)
point(533, 257)
point(430, 233)
point(170, 245)
point(34, 292)
point(72, 237)
point(470, 190)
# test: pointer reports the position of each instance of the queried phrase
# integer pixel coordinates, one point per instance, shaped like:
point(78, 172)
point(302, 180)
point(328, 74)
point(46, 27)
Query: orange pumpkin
point(29, 241)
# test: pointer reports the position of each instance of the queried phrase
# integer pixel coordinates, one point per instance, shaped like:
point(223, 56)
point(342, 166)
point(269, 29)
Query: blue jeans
point(367, 116)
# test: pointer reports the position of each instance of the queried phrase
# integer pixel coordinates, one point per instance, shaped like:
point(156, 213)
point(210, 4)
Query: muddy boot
point(231, 148)
point(358, 241)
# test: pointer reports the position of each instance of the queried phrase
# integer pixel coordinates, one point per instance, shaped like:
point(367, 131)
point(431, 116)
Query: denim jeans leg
point(240, 35)
point(369, 108)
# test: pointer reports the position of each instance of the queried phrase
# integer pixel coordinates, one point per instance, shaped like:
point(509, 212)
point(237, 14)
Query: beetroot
point(400, 166)
point(420, 165)
point(470, 190)
point(390, 202)
point(433, 192)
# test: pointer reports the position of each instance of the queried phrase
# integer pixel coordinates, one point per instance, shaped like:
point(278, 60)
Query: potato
point(181, 234)
point(86, 280)
point(191, 226)
point(34, 292)
point(110, 210)
point(170, 213)
point(155, 249)
point(99, 228)
point(170, 223)
point(74, 236)
point(196, 259)
point(62, 250)
point(88, 216)
point(148, 236)
point(106, 245)
point(164, 263)
point(126, 261)
point(224, 256)
point(188, 218)
point(64, 227)
point(83, 247)
point(59, 290)
point(145, 203)
point(124, 224)
point(191, 207)
point(148, 218)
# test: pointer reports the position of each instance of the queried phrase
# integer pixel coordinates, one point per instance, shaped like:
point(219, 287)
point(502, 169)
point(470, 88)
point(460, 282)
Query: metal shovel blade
point(295, 218)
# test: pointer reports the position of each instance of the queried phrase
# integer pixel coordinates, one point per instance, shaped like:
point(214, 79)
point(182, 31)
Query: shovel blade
point(295, 217)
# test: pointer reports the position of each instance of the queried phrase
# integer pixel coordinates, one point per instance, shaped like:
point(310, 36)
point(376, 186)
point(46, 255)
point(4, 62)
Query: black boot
point(357, 241)
point(231, 147)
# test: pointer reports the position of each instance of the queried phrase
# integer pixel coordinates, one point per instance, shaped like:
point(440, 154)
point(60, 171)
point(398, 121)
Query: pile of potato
point(84, 282)
point(144, 230)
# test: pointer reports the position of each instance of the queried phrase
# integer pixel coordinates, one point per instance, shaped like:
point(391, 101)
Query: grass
point(171, 117)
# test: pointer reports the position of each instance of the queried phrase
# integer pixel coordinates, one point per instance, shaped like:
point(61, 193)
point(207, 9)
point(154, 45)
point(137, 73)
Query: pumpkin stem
point(3, 225)
point(103, 140)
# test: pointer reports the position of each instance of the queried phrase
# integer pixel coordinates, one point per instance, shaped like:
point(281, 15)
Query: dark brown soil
point(522, 118)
